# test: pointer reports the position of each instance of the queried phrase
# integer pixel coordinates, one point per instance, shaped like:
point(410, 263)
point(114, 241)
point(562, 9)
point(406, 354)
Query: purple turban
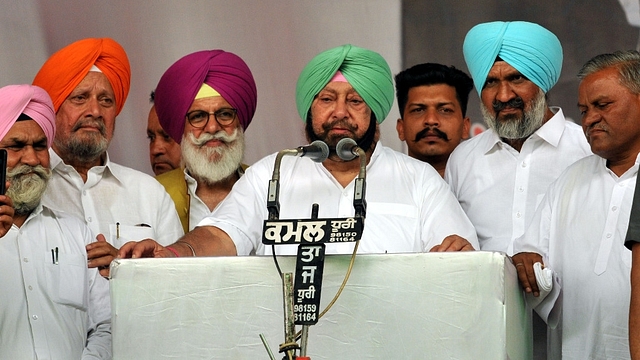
point(225, 72)
point(30, 100)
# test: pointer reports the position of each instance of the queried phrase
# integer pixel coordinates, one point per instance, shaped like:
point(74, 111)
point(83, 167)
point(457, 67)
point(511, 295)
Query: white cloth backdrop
point(276, 38)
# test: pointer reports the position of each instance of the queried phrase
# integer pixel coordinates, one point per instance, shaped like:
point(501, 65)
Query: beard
point(28, 183)
point(366, 142)
point(213, 164)
point(89, 146)
point(517, 127)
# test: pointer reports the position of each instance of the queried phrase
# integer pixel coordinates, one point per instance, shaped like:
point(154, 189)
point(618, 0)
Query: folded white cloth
point(549, 286)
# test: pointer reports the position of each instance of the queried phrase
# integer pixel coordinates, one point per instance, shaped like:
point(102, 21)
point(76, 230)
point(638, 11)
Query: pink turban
point(225, 72)
point(30, 100)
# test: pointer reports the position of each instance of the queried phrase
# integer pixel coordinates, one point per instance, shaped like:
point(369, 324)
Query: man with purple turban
point(51, 305)
point(205, 101)
point(88, 81)
point(344, 92)
point(500, 176)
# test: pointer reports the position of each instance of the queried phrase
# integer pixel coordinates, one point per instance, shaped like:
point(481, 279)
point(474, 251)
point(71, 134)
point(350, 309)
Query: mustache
point(431, 129)
point(219, 135)
point(516, 103)
point(91, 122)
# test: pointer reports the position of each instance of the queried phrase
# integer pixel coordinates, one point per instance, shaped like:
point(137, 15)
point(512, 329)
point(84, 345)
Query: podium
point(394, 306)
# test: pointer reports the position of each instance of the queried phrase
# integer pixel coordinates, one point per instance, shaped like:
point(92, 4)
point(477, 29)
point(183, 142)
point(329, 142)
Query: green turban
point(366, 71)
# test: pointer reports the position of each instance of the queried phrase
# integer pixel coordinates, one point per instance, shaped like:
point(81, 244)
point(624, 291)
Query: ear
point(400, 129)
point(466, 128)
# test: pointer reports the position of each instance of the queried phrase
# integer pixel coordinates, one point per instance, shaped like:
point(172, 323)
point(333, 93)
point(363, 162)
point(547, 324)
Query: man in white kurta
point(500, 176)
point(51, 305)
point(341, 93)
point(581, 225)
point(409, 207)
point(88, 82)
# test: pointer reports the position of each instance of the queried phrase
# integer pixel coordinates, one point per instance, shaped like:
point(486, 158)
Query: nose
point(157, 147)
point(432, 118)
point(505, 92)
point(340, 109)
point(212, 126)
point(93, 107)
point(589, 117)
point(29, 156)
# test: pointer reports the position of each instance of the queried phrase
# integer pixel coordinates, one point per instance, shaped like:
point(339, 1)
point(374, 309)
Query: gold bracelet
point(193, 251)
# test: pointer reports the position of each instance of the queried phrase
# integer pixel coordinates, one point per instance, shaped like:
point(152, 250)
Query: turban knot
point(365, 70)
point(30, 100)
point(225, 72)
point(529, 48)
point(65, 69)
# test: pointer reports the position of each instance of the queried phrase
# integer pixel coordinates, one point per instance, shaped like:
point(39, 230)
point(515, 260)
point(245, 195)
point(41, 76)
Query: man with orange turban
point(57, 308)
point(205, 101)
point(88, 82)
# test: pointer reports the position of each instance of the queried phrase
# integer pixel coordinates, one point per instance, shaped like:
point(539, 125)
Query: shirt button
point(614, 208)
point(518, 214)
point(25, 259)
point(84, 192)
point(608, 235)
point(34, 317)
point(524, 164)
point(30, 287)
point(521, 189)
point(89, 219)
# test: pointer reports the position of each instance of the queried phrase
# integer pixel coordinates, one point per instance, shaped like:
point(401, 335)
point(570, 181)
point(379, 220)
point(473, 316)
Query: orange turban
point(65, 69)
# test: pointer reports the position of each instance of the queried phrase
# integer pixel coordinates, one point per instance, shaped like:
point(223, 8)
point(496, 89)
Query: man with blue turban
point(344, 92)
point(500, 176)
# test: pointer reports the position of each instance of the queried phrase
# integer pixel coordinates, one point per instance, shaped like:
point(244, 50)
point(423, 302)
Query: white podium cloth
point(402, 306)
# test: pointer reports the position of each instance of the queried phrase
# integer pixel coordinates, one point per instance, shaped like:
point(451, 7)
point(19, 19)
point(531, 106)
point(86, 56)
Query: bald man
point(88, 82)
point(205, 100)
point(344, 92)
point(51, 305)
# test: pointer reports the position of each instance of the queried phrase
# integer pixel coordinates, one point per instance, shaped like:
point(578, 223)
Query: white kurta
point(499, 188)
point(409, 207)
point(580, 229)
point(119, 202)
point(47, 310)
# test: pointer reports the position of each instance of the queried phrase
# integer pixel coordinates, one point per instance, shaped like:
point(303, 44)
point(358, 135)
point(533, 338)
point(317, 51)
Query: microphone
point(317, 151)
point(347, 149)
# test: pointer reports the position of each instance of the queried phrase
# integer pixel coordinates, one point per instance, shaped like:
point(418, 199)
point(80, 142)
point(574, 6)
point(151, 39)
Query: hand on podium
point(453, 243)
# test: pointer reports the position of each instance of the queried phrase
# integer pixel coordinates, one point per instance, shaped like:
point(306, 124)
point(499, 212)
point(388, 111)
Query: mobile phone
point(3, 171)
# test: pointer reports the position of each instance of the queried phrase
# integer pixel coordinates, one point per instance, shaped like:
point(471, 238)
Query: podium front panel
point(394, 306)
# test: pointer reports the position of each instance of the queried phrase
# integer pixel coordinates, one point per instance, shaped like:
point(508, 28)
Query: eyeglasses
point(200, 118)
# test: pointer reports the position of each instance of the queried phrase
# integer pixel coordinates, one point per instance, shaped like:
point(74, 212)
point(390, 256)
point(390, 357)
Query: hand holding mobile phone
point(3, 171)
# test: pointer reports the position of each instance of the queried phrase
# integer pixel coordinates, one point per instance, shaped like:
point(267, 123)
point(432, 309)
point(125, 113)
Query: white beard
point(212, 165)
point(28, 183)
point(522, 128)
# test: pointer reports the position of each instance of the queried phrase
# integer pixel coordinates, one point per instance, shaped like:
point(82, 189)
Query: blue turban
point(531, 49)
point(366, 71)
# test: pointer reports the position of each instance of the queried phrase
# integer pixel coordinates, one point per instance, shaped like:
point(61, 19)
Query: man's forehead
point(339, 87)
point(94, 79)
point(25, 130)
point(502, 66)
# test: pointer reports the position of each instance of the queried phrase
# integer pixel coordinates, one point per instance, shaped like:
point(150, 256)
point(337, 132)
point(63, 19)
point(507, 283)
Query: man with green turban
point(344, 92)
point(500, 176)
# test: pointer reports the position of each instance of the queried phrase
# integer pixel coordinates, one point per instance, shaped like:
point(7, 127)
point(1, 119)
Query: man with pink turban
point(205, 101)
point(89, 82)
point(57, 307)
